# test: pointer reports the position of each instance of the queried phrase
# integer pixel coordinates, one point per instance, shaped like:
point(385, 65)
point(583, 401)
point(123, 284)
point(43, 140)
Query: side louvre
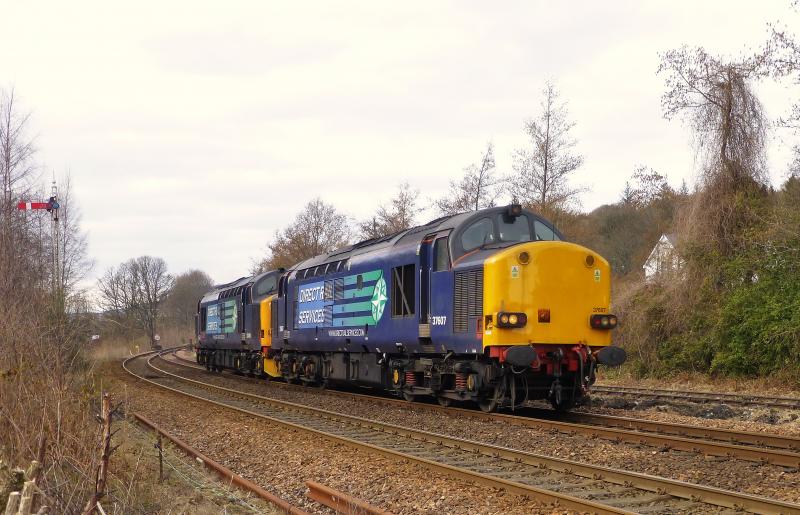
point(467, 299)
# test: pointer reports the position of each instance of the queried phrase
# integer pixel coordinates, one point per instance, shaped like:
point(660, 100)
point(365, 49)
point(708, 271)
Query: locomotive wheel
point(488, 405)
point(444, 401)
point(490, 402)
point(410, 397)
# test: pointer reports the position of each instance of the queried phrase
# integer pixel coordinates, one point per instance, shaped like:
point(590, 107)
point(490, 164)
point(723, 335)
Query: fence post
point(12, 506)
point(26, 501)
point(160, 460)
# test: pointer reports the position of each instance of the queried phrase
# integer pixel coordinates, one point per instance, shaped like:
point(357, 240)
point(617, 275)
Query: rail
point(566, 483)
point(750, 446)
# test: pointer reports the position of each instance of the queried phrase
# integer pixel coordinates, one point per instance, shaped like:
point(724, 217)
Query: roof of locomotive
point(413, 235)
point(219, 288)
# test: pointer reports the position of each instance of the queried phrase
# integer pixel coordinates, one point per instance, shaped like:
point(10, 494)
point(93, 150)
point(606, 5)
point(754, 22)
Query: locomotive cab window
point(544, 233)
point(477, 234)
point(516, 228)
point(441, 255)
point(402, 298)
point(265, 286)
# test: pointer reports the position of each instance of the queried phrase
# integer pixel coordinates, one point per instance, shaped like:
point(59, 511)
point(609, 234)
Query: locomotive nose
point(552, 290)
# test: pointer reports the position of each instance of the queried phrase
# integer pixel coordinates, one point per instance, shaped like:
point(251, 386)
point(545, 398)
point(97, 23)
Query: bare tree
point(782, 55)
point(17, 167)
point(650, 186)
point(18, 246)
point(317, 229)
point(397, 216)
point(151, 283)
point(716, 99)
point(43, 360)
point(74, 262)
point(181, 302)
point(477, 188)
point(543, 170)
point(135, 292)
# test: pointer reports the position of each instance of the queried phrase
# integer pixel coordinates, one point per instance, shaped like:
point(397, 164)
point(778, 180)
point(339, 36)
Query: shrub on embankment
point(734, 313)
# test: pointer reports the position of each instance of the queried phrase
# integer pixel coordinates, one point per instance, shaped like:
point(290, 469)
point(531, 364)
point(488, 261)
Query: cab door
point(440, 313)
point(425, 262)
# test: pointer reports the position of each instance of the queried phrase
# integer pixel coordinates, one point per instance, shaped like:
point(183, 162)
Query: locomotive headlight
point(603, 321)
point(511, 320)
point(524, 258)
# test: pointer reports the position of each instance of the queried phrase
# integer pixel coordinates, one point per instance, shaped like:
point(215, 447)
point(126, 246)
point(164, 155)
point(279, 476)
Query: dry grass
point(187, 487)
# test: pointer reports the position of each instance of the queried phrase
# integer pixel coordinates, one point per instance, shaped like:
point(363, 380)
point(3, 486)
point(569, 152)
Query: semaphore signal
point(51, 206)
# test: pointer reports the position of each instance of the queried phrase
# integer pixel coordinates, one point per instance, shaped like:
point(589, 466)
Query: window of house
point(402, 297)
point(441, 255)
point(477, 234)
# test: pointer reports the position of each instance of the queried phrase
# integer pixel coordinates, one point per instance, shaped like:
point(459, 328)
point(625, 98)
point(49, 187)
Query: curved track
point(569, 484)
point(751, 446)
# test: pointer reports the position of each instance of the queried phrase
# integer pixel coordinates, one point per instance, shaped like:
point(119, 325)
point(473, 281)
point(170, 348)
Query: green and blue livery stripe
point(366, 276)
point(352, 307)
point(350, 321)
point(366, 291)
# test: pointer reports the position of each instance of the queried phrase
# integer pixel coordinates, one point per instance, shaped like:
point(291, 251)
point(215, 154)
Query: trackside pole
point(51, 206)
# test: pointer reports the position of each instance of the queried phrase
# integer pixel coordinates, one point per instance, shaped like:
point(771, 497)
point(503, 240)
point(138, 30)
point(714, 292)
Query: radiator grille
point(467, 299)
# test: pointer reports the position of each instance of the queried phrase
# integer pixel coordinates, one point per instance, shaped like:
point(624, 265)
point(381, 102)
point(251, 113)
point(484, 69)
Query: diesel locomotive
point(489, 306)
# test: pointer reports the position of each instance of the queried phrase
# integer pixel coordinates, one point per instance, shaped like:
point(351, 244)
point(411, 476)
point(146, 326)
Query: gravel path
point(281, 460)
point(729, 474)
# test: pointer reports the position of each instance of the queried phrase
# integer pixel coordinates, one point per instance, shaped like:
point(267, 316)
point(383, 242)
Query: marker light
point(603, 321)
point(511, 319)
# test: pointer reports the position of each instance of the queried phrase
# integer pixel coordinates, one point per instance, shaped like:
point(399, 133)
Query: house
point(663, 259)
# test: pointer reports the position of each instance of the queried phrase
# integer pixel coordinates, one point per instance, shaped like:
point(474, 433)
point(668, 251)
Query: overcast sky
point(193, 132)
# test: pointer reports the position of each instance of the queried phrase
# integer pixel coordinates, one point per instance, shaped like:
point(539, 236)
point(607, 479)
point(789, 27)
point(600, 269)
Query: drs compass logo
point(379, 299)
point(355, 300)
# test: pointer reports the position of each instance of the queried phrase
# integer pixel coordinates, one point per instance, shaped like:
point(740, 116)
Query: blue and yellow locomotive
point(490, 306)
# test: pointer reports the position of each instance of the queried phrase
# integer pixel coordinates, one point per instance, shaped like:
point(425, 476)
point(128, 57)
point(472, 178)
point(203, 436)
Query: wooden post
point(102, 470)
point(12, 506)
point(160, 460)
point(26, 501)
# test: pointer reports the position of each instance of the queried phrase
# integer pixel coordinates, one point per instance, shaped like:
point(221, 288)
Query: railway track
point(752, 446)
point(701, 397)
point(568, 484)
